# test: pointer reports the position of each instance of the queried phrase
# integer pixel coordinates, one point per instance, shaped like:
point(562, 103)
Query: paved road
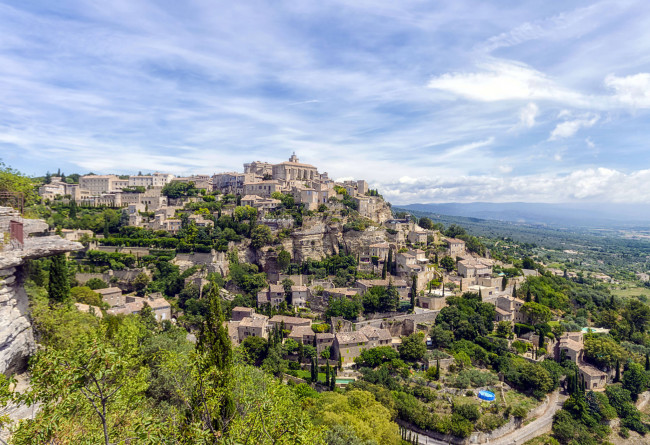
point(535, 428)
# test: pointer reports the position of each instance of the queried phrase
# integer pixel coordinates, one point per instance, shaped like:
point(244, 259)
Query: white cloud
point(590, 143)
point(633, 91)
point(594, 184)
point(569, 128)
point(527, 115)
point(500, 80)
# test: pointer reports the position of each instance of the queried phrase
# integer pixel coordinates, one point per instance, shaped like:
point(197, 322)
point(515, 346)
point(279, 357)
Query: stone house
point(299, 296)
point(416, 236)
point(273, 295)
point(380, 250)
point(112, 295)
point(263, 205)
point(570, 346)
point(239, 313)
point(232, 182)
point(475, 268)
point(349, 345)
point(512, 306)
point(262, 188)
point(455, 247)
point(324, 341)
point(303, 334)
point(432, 302)
point(594, 378)
point(256, 326)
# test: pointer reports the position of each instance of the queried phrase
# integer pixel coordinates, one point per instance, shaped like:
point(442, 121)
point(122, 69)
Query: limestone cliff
point(16, 336)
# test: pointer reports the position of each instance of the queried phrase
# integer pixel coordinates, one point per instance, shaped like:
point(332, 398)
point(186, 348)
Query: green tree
point(59, 285)
point(536, 312)
point(213, 397)
point(414, 292)
point(635, 380)
point(140, 283)
point(15, 182)
point(358, 411)
point(447, 263)
point(412, 347)
point(284, 259)
point(85, 295)
point(261, 236)
point(96, 283)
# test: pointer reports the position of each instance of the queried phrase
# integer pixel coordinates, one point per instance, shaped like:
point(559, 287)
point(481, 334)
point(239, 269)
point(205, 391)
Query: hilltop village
point(323, 285)
point(419, 266)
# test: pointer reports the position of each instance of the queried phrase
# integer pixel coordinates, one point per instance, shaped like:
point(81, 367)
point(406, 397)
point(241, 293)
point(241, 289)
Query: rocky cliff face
point(16, 336)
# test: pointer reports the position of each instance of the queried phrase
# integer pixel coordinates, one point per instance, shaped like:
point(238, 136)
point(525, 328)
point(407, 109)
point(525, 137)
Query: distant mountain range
point(592, 215)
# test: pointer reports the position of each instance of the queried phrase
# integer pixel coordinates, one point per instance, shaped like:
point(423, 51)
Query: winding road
point(537, 427)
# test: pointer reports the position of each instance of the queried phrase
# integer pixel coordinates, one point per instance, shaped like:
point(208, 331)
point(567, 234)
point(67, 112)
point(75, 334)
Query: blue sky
point(429, 101)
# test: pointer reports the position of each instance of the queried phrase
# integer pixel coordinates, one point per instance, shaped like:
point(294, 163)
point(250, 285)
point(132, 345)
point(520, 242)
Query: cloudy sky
point(430, 101)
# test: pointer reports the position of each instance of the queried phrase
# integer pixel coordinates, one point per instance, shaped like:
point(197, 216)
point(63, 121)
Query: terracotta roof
point(301, 331)
point(455, 241)
point(108, 290)
point(375, 333)
point(590, 370)
point(158, 303)
point(346, 338)
point(252, 322)
point(290, 320)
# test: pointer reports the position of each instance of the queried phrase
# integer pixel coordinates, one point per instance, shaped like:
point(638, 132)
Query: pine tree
point(59, 285)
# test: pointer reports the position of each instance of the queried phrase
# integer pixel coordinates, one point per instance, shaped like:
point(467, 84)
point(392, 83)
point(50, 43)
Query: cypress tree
point(617, 376)
point(438, 369)
point(528, 296)
point(435, 258)
point(313, 372)
point(383, 270)
point(340, 363)
point(414, 290)
point(332, 380)
point(504, 283)
point(216, 354)
point(514, 291)
point(73, 209)
point(327, 374)
point(59, 285)
point(647, 362)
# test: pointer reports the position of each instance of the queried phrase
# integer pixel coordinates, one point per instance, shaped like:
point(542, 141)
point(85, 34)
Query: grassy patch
point(631, 292)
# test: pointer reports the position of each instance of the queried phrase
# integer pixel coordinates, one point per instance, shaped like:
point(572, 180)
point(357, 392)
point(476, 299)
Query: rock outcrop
point(16, 336)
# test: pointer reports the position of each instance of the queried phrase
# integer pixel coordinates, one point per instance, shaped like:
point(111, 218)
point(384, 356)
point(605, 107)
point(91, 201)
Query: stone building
point(294, 170)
